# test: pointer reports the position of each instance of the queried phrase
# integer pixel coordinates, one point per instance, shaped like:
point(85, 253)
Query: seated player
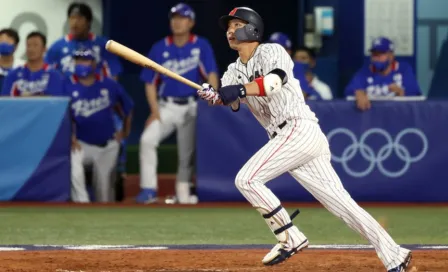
point(35, 77)
point(299, 68)
point(95, 141)
point(307, 58)
point(384, 76)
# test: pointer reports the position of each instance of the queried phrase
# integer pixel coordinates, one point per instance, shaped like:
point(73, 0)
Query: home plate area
point(142, 258)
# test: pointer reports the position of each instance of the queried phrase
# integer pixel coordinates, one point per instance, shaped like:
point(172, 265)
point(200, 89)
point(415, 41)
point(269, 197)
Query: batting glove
point(207, 93)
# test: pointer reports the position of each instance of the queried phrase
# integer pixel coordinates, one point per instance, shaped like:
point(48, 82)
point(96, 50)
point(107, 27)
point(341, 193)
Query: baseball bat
point(137, 58)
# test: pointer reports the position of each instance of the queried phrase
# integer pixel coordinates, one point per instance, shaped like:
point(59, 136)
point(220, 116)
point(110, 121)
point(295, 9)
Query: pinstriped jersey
point(286, 104)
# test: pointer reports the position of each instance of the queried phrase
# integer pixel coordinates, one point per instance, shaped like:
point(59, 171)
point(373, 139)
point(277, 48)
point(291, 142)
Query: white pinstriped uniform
point(300, 148)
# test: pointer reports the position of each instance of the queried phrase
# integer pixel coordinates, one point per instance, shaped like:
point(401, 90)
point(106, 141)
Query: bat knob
point(108, 44)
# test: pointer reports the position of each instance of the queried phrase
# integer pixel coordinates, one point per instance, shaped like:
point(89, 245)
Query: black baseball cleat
point(280, 253)
point(404, 266)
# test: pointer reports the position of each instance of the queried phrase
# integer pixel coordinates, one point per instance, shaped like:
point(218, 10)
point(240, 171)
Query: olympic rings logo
point(377, 159)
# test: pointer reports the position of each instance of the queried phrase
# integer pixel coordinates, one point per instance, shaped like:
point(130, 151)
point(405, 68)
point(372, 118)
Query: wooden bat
point(137, 58)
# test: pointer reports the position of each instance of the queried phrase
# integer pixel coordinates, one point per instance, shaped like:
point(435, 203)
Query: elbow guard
point(272, 82)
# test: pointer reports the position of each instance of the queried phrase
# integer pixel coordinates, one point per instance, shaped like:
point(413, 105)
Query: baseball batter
point(262, 77)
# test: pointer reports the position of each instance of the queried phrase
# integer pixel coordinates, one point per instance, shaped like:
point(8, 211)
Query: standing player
point(35, 77)
point(262, 77)
point(96, 142)
point(192, 57)
point(60, 53)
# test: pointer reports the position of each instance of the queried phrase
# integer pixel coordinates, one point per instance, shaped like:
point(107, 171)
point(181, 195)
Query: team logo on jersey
point(183, 66)
point(88, 107)
point(195, 51)
point(256, 75)
point(166, 54)
point(375, 90)
point(33, 87)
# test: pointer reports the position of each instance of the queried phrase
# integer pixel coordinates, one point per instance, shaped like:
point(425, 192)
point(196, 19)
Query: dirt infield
point(205, 260)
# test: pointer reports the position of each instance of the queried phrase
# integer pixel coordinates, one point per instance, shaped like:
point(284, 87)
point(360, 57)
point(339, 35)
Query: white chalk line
point(192, 247)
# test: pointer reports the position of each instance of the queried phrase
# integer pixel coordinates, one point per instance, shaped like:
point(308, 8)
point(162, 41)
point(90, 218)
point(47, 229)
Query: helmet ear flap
point(247, 33)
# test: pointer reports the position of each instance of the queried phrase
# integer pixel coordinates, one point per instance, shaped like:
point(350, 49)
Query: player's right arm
point(151, 79)
point(357, 88)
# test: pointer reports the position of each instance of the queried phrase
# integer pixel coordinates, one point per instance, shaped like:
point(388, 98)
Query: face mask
point(380, 65)
point(6, 49)
point(82, 70)
point(305, 66)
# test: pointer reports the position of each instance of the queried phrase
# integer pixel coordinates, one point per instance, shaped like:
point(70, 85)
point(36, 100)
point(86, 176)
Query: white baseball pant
point(103, 160)
point(301, 149)
point(172, 117)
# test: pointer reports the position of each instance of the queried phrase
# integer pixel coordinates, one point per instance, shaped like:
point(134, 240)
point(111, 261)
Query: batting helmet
point(254, 29)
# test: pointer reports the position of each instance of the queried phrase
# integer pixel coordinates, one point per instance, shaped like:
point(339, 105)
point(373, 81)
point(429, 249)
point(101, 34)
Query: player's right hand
point(153, 116)
point(362, 100)
point(75, 144)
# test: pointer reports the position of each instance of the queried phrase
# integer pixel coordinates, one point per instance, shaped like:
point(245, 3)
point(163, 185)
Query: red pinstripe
point(264, 163)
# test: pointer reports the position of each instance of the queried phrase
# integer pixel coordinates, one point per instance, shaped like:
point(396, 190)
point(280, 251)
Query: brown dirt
point(206, 260)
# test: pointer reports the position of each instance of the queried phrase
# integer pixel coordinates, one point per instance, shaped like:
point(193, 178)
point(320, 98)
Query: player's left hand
point(396, 89)
point(231, 93)
point(119, 135)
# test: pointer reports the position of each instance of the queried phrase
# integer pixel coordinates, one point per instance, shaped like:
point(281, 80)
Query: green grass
point(128, 226)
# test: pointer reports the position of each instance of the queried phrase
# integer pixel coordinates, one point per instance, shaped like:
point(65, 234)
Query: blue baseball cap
point(282, 39)
point(83, 54)
point(382, 44)
point(183, 10)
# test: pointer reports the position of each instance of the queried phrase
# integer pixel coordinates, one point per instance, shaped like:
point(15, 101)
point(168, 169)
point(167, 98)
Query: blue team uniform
point(3, 73)
point(21, 80)
point(59, 55)
point(194, 61)
point(299, 73)
point(93, 108)
point(376, 84)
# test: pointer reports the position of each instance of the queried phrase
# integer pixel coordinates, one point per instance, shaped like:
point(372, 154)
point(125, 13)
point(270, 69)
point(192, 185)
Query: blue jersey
point(59, 55)
point(376, 84)
point(299, 73)
point(194, 61)
point(3, 73)
point(93, 108)
point(22, 81)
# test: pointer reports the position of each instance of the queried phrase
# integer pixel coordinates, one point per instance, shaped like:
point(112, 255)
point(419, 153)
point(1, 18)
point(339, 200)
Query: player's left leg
point(186, 132)
point(104, 165)
point(320, 179)
point(294, 145)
